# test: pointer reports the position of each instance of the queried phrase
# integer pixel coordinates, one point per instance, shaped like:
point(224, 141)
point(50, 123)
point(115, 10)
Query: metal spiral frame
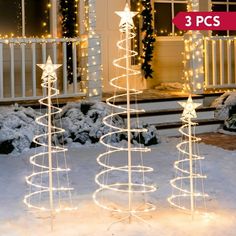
point(187, 174)
point(48, 84)
point(129, 187)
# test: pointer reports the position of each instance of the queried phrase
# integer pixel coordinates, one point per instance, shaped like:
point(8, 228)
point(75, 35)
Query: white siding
point(108, 28)
point(167, 61)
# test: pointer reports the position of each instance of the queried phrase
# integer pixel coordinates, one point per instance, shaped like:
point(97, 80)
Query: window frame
point(227, 3)
point(29, 22)
point(172, 2)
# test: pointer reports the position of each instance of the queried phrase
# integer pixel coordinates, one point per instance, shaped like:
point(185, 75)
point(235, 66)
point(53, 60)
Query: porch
point(20, 78)
point(79, 54)
point(162, 109)
point(218, 63)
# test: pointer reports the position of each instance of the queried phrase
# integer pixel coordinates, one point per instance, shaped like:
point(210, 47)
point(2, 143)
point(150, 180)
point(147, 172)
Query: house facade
point(98, 30)
point(33, 30)
point(218, 47)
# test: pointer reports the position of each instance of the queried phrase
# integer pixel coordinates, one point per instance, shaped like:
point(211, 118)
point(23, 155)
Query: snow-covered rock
point(17, 129)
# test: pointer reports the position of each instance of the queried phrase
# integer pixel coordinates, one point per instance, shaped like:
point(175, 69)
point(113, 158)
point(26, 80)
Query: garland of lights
point(127, 188)
point(148, 40)
point(69, 11)
point(187, 177)
point(44, 182)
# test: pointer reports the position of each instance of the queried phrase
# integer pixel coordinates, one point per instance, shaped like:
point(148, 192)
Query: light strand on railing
point(185, 193)
point(128, 187)
point(42, 181)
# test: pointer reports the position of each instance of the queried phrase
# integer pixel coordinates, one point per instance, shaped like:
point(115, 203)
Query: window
point(164, 12)
point(36, 17)
point(223, 5)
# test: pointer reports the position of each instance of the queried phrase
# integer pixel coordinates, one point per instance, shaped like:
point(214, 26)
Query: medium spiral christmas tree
point(122, 187)
point(49, 183)
point(188, 189)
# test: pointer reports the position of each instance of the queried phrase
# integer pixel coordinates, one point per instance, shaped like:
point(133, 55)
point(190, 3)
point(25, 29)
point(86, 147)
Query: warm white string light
point(193, 56)
point(92, 53)
point(42, 182)
point(130, 187)
point(193, 62)
point(185, 182)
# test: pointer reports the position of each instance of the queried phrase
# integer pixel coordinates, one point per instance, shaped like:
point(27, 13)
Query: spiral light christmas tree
point(122, 195)
point(49, 182)
point(188, 189)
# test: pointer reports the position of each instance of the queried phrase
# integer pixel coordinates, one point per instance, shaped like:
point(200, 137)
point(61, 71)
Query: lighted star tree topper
point(122, 187)
point(188, 188)
point(49, 183)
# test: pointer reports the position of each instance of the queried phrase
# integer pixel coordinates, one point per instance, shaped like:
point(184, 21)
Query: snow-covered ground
point(89, 220)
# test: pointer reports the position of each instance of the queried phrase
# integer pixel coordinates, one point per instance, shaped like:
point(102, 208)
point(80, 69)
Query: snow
point(90, 220)
point(223, 131)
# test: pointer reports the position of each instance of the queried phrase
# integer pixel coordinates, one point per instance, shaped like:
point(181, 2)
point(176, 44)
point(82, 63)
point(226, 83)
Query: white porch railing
point(19, 76)
point(220, 62)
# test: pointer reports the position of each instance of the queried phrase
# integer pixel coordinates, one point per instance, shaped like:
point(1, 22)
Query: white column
point(92, 16)
point(53, 18)
point(23, 17)
point(193, 5)
point(193, 56)
point(94, 73)
point(81, 17)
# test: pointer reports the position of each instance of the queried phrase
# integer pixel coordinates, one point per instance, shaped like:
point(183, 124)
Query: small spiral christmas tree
point(49, 183)
point(122, 187)
point(188, 189)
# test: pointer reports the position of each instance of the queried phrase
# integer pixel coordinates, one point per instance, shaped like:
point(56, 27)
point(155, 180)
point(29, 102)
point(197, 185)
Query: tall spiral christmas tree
point(122, 188)
point(188, 189)
point(49, 183)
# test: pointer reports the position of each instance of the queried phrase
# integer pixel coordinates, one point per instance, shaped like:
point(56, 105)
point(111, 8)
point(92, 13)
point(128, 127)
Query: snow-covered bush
point(224, 104)
point(226, 109)
point(17, 129)
point(83, 123)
